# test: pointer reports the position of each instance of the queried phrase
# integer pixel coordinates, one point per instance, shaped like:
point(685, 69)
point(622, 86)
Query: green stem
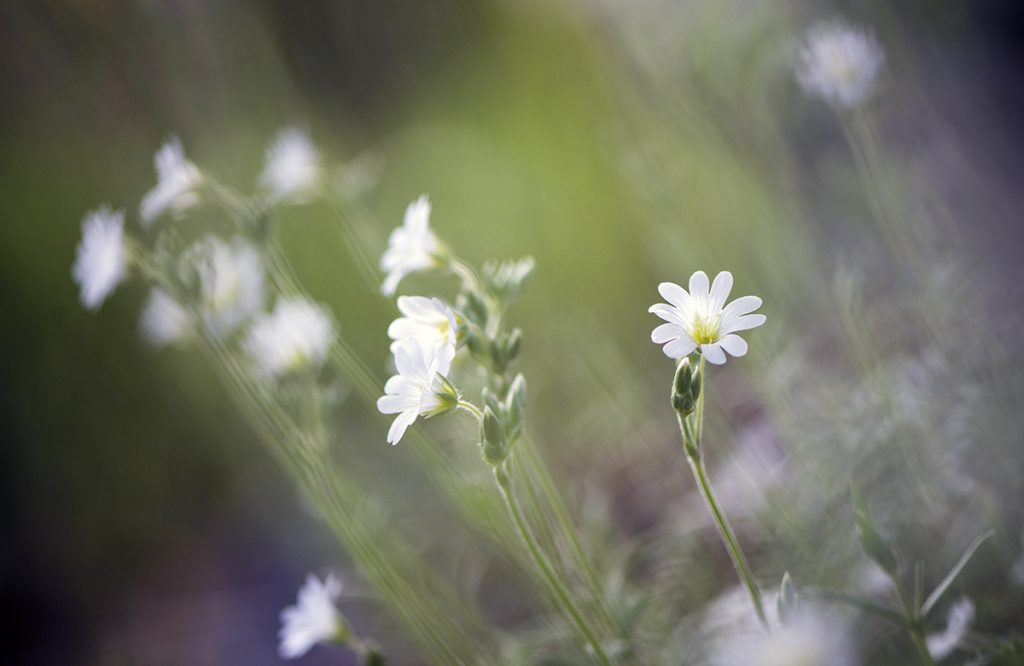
point(559, 588)
point(694, 457)
point(915, 628)
point(469, 407)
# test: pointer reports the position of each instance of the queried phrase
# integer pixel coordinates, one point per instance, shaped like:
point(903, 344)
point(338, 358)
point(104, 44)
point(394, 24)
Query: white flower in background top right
point(313, 619)
point(177, 180)
point(839, 64)
point(700, 319)
point(412, 247)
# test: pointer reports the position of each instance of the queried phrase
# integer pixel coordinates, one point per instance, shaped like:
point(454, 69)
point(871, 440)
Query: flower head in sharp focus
point(102, 258)
point(313, 619)
point(296, 336)
point(839, 64)
point(958, 620)
point(292, 168)
point(700, 319)
point(429, 322)
point(164, 321)
point(177, 182)
point(229, 279)
point(412, 247)
point(419, 388)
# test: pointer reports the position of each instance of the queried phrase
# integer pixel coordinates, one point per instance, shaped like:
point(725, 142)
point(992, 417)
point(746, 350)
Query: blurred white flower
point(164, 321)
point(297, 335)
point(701, 320)
point(958, 619)
point(813, 637)
point(429, 322)
point(419, 388)
point(313, 619)
point(230, 282)
point(412, 247)
point(292, 168)
point(102, 259)
point(839, 64)
point(177, 181)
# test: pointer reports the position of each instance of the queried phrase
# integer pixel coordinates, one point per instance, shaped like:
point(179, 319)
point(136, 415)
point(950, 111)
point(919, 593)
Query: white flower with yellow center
point(700, 319)
point(429, 322)
point(419, 388)
point(296, 336)
point(839, 64)
point(101, 260)
point(313, 619)
point(177, 182)
point(412, 247)
point(292, 168)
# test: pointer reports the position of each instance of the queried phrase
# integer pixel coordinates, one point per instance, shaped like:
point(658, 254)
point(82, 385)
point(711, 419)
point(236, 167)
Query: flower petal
point(720, 289)
point(743, 323)
point(400, 425)
point(666, 332)
point(699, 284)
point(734, 344)
point(680, 347)
point(741, 306)
point(713, 353)
point(666, 312)
point(673, 293)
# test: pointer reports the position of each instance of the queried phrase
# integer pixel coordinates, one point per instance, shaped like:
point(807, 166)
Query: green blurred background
point(621, 144)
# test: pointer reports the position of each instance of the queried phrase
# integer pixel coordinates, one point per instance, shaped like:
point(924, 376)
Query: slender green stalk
point(559, 588)
point(915, 627)
point(692, 439)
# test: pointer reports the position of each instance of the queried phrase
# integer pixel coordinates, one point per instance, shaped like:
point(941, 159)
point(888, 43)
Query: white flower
point(164, 321)
point(429, 322)
point(313, 619)
point(177, 180)
point(101, 260)
point(419, 388)
point(295, 336)
point(230, 282)
point(292, 168)
point(813, 637)
point(839, 64)
point(958, 619)
point(701, 320)
point(412, 247)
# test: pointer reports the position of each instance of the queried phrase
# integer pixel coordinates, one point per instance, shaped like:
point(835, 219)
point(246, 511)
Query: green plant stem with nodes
point(692, 442)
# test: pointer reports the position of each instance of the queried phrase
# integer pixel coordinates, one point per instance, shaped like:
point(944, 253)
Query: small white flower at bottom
point(164, 321)
point(700, 319)
point(958, 620)
point(313, 619)
point(412, 247)
point(813, 637)
point(419, 388)
point(177, 182)
point(429, 322)
point(839, 64)
point(292, 168)
point(101, 260)
point(296, 336)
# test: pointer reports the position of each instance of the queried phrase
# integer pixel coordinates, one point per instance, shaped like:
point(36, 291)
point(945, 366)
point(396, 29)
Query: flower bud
point(515, 404)
point(513, 344)
point(685, 388)
point(447, 395)
point(788, 598)
point(491, 400)
point(495, 444)
point(873, 543)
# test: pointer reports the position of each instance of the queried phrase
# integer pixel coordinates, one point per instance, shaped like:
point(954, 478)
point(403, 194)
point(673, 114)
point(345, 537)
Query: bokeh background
point(619, 143)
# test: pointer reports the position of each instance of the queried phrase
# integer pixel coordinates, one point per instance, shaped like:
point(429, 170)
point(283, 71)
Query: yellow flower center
point(704, 329)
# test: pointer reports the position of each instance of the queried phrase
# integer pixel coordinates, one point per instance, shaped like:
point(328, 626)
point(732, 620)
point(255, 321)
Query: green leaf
point(871, 540)
point(937, 593)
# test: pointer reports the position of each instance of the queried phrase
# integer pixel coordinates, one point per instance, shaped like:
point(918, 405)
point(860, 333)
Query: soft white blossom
point(419, 388)
point(839, 64)
point(230, 282)
point(164, 321)
point(297, 335)
point(177, 183)
point(812, 637)
point(412, 247)
point(700, 319)
point(958, 620)
point(101, 260)
point(429, 322)
point(292, 168)
point(313, 619)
